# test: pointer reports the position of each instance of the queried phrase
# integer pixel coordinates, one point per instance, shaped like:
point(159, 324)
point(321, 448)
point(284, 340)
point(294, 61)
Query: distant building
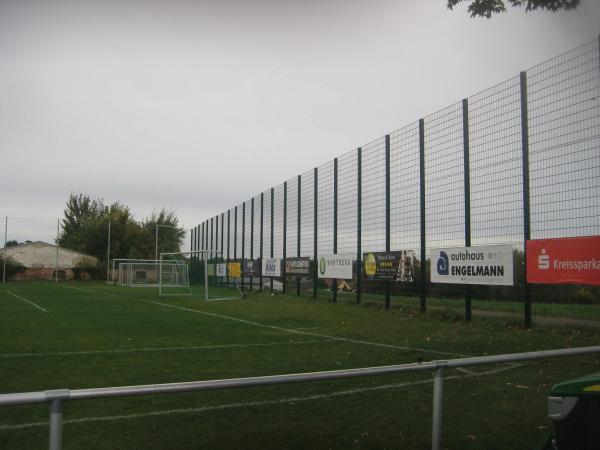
point(39, 261)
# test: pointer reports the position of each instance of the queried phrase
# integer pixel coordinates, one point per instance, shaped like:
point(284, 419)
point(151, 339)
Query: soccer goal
point(203, 273)
point(146, 273)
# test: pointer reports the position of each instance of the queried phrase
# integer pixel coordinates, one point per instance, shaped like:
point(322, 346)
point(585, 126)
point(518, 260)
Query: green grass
point(95, 335)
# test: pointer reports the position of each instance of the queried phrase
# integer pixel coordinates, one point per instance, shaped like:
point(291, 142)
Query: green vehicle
point(574, 409)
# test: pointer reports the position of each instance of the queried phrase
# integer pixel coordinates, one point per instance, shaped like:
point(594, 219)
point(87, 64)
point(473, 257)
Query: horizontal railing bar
point(151, 389)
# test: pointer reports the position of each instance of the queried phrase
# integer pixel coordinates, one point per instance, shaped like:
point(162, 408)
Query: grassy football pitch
point(88, 334)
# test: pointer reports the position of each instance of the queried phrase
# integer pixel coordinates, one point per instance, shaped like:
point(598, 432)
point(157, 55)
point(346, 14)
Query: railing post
point(235, 255)
point(228, 242)
point(56, 426)
point(438, 405)
point(222, 249)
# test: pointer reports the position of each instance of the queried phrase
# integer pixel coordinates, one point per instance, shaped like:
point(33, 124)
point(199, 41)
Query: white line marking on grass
point(161, 349)
point(27, 301)
point(306, 333)
point(315, 397)
point(287, 330)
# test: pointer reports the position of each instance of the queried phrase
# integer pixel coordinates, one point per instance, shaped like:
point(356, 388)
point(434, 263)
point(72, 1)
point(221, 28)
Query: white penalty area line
point(274, 327)
point(307, 333)
point(161, 349)
point(289, 400)
point(27, 301)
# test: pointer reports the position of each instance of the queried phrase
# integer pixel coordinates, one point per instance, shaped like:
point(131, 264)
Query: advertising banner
point(210, 267)
point(393, 266)
point(235, 269)
point(490, 264)
point(564, 261)
point(271, 267)
point(251, 267)
point(298, 267)
point(221, 270)
point(336, 266)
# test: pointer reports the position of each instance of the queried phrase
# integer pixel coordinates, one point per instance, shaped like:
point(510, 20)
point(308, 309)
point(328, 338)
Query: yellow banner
point(235, 269)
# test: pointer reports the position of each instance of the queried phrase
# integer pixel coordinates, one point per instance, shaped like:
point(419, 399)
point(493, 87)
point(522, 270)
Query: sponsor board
point(235, 269)
point(299, 267)
point(394, 266)
point(211, 269)
point(271, 267)
point(251, 267)
point(336, 266)
point(490, 264)
point(564, 261)
point(221, 270)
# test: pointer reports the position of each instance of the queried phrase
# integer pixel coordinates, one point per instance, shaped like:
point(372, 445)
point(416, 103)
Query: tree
point(85, 229)
point(485, 8)
point(12, 243)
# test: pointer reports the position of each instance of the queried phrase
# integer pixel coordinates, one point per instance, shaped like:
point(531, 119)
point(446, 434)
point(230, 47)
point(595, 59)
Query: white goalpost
point(198, 272)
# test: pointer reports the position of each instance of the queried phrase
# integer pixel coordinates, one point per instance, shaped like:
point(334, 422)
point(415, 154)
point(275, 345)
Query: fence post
point(272, 230)
point(56, 426)
point(262, 218)
point(467, 189)
point(252, 237)
point(228, 242)
point(526, 205)
point(422, 208)
point(315, 208)
point(387, 212)
point(438, 406)
point(284, 253)
point(243, 240)
point(299, 227)
point(211, 239)
point(235, 255)
point(222, 235)
point(359, 225)
point(335, 221)
point(4, 259)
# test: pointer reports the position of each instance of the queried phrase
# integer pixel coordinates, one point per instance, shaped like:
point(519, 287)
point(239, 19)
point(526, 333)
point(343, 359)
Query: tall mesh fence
point(459, 178)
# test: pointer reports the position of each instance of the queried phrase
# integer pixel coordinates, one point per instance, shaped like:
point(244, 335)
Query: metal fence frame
point(57, 397)
point(472, 178)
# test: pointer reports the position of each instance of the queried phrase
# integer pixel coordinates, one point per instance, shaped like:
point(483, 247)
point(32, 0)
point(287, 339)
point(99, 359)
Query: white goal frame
point(213, 253)
point(126, 271)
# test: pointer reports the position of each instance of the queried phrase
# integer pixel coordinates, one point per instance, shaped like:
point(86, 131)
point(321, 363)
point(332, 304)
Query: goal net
point(147, 273)
point(205, 272)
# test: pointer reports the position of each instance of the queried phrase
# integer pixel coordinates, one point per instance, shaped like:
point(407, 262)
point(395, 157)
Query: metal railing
point(56, 398)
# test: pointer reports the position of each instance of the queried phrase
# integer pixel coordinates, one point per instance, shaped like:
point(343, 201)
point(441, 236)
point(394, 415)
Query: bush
point(86, 271)
point(12, 267)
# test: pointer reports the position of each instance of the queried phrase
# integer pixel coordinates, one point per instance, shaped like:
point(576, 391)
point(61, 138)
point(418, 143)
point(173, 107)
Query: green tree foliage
point(12, 243)
point(85, 229)
point(485, 8)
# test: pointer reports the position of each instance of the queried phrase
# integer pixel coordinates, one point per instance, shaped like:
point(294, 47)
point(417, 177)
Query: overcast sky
point(199, 105)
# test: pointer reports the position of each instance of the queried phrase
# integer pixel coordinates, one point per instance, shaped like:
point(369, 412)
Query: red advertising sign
point(564, 261)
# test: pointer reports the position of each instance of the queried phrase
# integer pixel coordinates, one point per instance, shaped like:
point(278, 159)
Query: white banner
point(271, 267)
point(221, 270)
point(336, 266)
point(491, 264)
